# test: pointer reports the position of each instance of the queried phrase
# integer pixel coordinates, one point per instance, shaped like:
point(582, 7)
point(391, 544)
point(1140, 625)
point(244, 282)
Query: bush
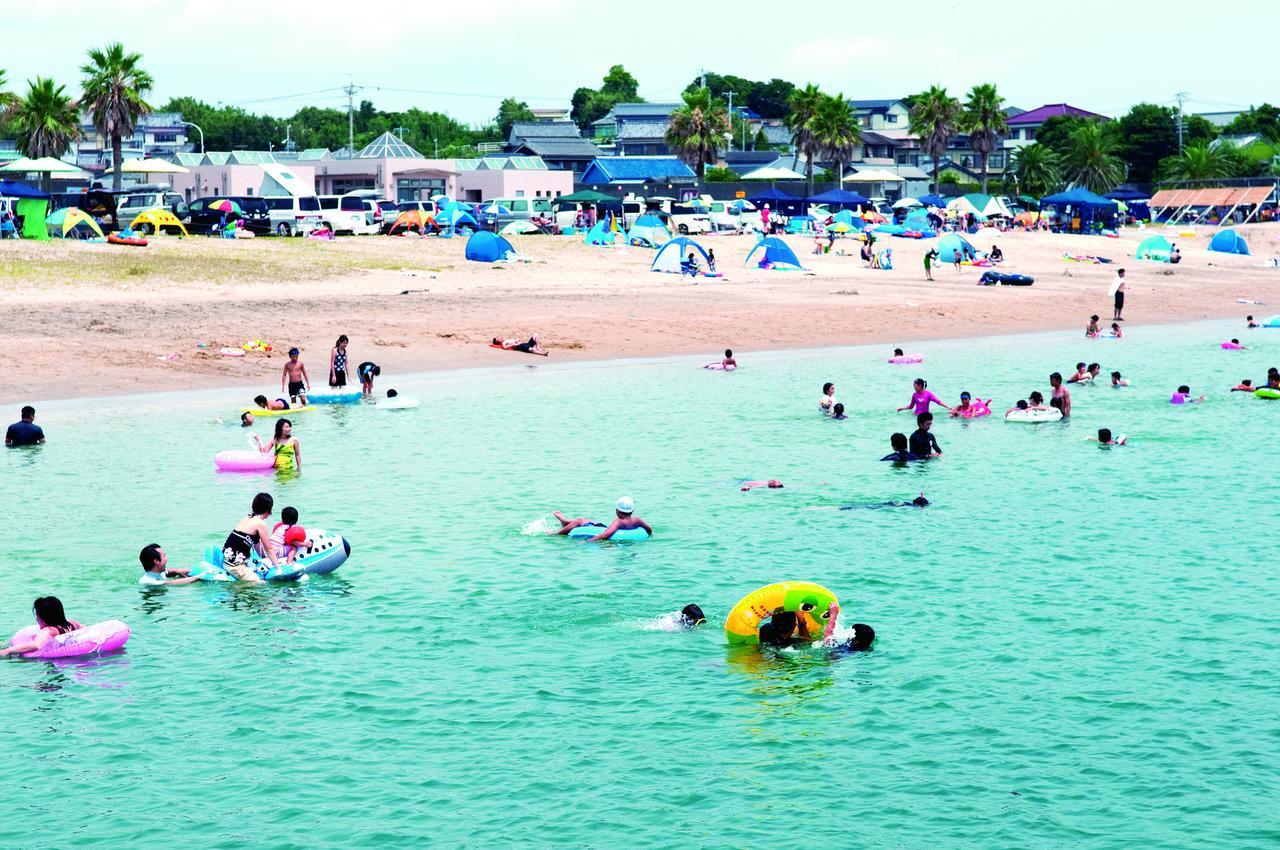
point(721, 175)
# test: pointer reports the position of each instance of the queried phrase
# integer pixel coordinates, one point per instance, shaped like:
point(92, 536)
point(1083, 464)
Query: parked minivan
point(345, 214)
point(293, 216)
point(130, 204)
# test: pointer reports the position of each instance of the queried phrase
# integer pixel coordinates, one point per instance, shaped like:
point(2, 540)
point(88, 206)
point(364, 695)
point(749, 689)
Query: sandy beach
point(82, 319)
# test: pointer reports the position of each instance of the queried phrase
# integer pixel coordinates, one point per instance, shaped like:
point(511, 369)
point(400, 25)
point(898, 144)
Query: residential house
point(157, 134)
point(631, 170)
point(1023, 127)
point(509, 177)
point(640, 129)
point(557, 143)
point(881, 115)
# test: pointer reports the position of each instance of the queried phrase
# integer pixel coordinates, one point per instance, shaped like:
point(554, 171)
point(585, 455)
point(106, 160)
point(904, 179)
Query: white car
point(293, 216)
point(345, 214)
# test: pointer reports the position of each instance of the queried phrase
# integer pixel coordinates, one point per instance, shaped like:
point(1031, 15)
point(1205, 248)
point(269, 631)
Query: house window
point(519, 193)
point(166, 137)
point(1029, 134)
point(891, 118)
point(996, 160)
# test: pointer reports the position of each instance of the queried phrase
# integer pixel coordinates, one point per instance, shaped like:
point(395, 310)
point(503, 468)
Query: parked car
point(131, 203)
point(254, 213)
point(345, 214)
point(686, 219)
point(425, 207)
point(293, 216)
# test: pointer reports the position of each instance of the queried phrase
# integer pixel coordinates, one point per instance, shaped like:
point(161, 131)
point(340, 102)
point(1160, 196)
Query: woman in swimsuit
point(52, 622)
point(287, 450)
point(922, 398)
point(338, 363)
point(249, 534)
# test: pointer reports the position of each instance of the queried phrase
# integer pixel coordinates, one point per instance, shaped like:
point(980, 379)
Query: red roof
point(1049, 110)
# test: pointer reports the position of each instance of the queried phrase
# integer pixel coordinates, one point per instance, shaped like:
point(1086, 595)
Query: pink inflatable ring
point(904, 359)
point(106, 636)
point(244, 460)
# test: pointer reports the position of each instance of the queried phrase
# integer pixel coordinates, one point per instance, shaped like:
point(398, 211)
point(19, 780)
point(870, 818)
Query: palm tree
point(934, 117)
point(45, 122)
point(1090, 160)
point(115, 86)
point(804, 105)
point(985, 122)
point(1199, 162)
point(835, 130)
point(1038, 170)
point(6, 97)
point(697, 129)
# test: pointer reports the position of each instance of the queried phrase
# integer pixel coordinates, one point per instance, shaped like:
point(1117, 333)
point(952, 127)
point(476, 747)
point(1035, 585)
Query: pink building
point(234, 178)
point(510, 177)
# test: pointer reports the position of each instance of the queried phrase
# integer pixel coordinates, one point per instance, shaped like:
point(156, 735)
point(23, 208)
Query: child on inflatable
point(287, 537)
point(1245, 386)
point(263, 404)
point(52, 622)
point(968, 409)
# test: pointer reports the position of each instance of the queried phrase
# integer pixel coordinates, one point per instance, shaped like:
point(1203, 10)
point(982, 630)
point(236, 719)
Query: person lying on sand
point(532, 346)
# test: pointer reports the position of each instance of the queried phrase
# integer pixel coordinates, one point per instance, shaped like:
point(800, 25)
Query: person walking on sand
point(929, 257)
point(1118, 287)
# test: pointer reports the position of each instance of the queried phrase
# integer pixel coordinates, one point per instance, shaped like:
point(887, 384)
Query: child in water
point(1081, 375)
point(52, 622)
point(1116, 332)
point(837, 412)
point(1245, 386)
point(1117, 381)
point(922, 398)
point(625, 521)
point(1251, 322)
point(828, 398)
point(263, 404)
point(1092, 330)
point(287, 537)
point(1104, 438)
point(1183, 396)
point(728, 362)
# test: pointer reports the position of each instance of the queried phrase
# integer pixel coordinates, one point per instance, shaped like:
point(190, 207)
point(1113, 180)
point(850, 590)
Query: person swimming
point(1105, 438)
point(837, 411)
point(52, 621)
point(263, 404)
point(1251, 322)
point(625, 521)
point(1117, 380)
point(1183, 396)
point(1245, 386)
point(1081, 375)
point(900, 453)
point(785, 629)
point(691, 617)
point(918, 502)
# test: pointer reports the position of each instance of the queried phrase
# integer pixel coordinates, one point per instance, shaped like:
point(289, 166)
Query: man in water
point(625, 521)
point(900, 453)
point(922, 442)
point(918, 502)
point(24, 432)
point(156, 569)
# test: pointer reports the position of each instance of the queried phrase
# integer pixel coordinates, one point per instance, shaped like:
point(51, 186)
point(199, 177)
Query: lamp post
point(198, 130)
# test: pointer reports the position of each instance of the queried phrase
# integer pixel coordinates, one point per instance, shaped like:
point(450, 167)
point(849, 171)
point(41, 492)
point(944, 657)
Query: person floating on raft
point(625, 520)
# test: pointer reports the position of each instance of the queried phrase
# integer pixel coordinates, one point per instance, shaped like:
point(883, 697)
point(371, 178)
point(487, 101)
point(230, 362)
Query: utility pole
point(730, 118)
point(1181, 97)
point(351, 90)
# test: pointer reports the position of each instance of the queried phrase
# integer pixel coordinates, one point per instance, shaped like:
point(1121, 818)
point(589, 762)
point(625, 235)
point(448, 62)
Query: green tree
point(1055, 132)
point(721, 175)
point(985, 122)
point(618, 83)
point(509, 112)
point(1091, 161)
point(115, 90)
point(1201, 161)
point(7, 98)
point(1149, 133)
point(590, 105)
point(1038, 169)
point(803, 108)
point(697, 129)
point(934, 117)
point(769, 100)
point(835, 130)
point(45, 121)
point(1264, 120)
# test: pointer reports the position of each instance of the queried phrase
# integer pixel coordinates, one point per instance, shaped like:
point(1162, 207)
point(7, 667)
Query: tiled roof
point(873, 105)
point(642, 130)
point(644, 110)
point(1049, 110)
point(576, 148)
point(543, 130)
point(641, 167)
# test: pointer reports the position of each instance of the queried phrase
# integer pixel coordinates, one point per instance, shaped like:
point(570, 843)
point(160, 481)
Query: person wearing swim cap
point(624, 520)
point(691, 617)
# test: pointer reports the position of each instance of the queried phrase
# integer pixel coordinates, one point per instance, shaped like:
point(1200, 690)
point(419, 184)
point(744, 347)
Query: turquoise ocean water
point(1077, 646)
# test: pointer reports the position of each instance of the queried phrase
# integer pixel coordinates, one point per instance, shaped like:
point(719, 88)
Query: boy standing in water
point(296, 374)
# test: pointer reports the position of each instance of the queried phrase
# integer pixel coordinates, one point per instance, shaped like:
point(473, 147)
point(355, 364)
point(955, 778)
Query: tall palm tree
point(985, 122)
point(1199, 162)
point(6, 97)
point(697, 129)
point(115, 88)
point(803, 106)
point(45, 122)
point(835, 130)
point(934, 117)
point(1038, 170)
point(1090, 160)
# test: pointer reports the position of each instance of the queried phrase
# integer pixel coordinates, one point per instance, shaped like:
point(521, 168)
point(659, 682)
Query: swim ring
point(1273, 322)
point(1049, 414)
point(400, 402)
point(977, 407)
point(719, 367)
point(907, 359)
point(231, 352)
point(257, 411)
point(244, 460)
point(106, 636)
point(335, 395)
point(1267, 393)
point(327, 553)
point(803, 597)
point(1232, 346)
point(625, 535)
point(136, 242)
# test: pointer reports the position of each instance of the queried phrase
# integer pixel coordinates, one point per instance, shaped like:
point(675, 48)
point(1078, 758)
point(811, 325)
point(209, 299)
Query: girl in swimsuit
point(287, 450)
point(338, 363)
point(52, 622)
point(922, 398)
point(248, 535)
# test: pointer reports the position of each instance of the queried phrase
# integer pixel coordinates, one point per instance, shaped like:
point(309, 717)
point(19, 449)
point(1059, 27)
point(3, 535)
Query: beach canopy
point(519, 226)
point(918, 221)
point(455, 216)
point(772, 197)
point(905, 203)
point(1228, 242)
point(649, 231)
point(43, 165)
point(149, 166)
point(1126, 193)
point(14, 189)
point(71, 221)
point(953, 248)
point(671, 254)
point(773, 251)
point(933, 200)
point(588, 196)
point(158, 218)
point(839, 199)
point(486, 247)
point(1080, 198)
point(606, 232)
point(1154, 248)
point(412, 218)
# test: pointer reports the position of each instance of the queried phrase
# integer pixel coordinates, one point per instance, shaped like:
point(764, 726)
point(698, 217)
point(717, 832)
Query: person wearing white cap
point(624, 521)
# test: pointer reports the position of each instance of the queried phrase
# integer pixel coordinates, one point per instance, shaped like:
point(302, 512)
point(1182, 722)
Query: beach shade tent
point(1085, 206)
point(46, 165)
point(1128, 193)
point(519, 227)
point(72, 222)
point(778, 201)
point(1228, 242)
point(953, 248)
point(649, 231)
point(32, 206)
point(845, 217)
point(15, 189)
point(454, 217)
point(772, 172)
point(776, 253)
point(486, 247)
point(412, 218)
point(933, 200)
point(605, 232)
point(672, 254)
point(982, 206)
point(906, 204)
point(839, 199)
point(588, 196)
point(917, 221)
point(495, 209)
point(157, 220)
point(1154, 248)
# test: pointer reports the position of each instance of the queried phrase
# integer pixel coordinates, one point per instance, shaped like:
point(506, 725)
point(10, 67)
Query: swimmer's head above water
point(625, 507)
point(691, 616)
point(863, 637)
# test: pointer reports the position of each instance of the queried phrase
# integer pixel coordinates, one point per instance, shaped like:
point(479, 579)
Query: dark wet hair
point(244, 419)
point(289, 516)
point(280, 423)
point(838, 409)
point(728, 352)
point(923, 418)
point(28, 412)
point(922, 382)
point(1104, 435)
point(920, 501)
point(692, 615)
point(1094, 317)
point(1115, 374)
point(261, 401)
point(899, 442)
point(262, 504)
point(897, 352)
point(48, 611)
point(149, 555)
point(392, 393)
point(863, 637)
point(1057, 376)
point(1022, 404)
point(1079, 365)
point(826, 388)
point(1184, 389)
point(341, 340)
point(965, 394)
point(293, 351)
point(1236, 341)
point(1093, 366)
point(1246, 382)
point(778, 630)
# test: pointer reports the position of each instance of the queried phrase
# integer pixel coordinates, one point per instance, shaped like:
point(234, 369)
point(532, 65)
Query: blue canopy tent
point(1228, 242)
point(778, 201)
point(1089, 211)
point(1127, 194)
point(603, 232)
point(649, 232)
point(14, 189)
point(953, 248)
point(487, 247)
point(932, 200)
point(671, 255)
point(1154, 248)
point(454, 218)
point(918, 220)
point(776, 253)
point(839, 199)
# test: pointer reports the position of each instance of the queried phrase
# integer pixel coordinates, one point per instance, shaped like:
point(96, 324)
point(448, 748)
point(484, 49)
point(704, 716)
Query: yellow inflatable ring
point(803, 597)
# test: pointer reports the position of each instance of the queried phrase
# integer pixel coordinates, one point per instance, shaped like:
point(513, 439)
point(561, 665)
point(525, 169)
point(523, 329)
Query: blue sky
point(463, 58)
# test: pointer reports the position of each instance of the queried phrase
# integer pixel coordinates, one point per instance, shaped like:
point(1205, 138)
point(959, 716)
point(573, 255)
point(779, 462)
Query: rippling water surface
point(1077, 646)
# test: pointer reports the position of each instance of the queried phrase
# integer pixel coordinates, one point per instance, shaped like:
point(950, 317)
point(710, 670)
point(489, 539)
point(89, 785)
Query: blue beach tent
point(953, 248)
point(775, 252)
point(672, 254)
point(454, 217)
point(602, 233)
point(649, 231)
point(487, 247)
point(1154, 248)
point(917, 220)
point(1228, 242)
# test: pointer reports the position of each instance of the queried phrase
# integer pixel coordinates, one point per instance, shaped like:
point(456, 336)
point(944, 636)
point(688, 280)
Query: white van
point(345, 214)
point(292, 216)
point(522, 208)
